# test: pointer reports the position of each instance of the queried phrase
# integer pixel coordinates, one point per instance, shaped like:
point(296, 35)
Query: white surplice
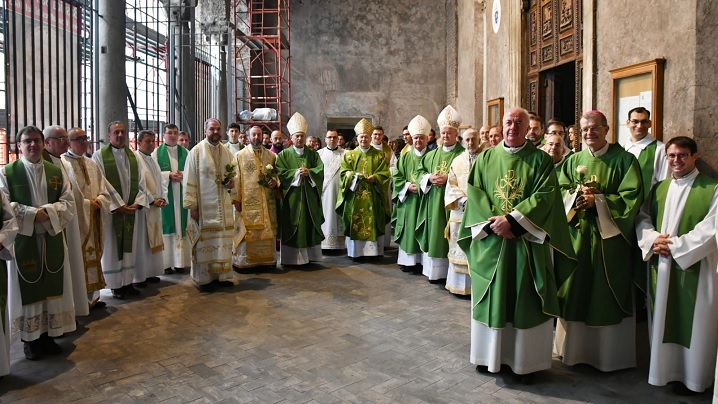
point(694, 366)
point(119, 271)
point(54, 316)
point(150, 243)
point(7, 236)
point(86, 177)
point(660, 161)
point(212, 236)
point(332, 226)
point(177, 249)
point(457, 278)
point(74, 246)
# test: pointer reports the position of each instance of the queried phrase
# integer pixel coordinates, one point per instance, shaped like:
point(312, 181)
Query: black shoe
point(49, 346)
point(482, 369)
point(32, 350)
point(405, 268)
point(99, 305)
point(180, 270)
point(418, 268)
point(225, 284)
point(206, 288)
point(680, 389)
point(119, 293)
point(130, 290)
point(142, 284)
point(153, 279)
point(169, 271)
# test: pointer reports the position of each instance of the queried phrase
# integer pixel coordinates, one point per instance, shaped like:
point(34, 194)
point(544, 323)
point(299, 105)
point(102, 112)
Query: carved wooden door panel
point(552, 36)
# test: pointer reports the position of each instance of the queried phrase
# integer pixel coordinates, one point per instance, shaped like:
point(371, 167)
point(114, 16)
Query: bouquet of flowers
point(228, 175)
point(266, 174)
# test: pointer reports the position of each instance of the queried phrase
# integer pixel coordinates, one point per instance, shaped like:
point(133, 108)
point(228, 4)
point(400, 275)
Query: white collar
point(379, 146)
point(600, 152)
point(688, 178)
point(641, 144)
point(449, 148)
point(419, 153)
point(514, 150)
point(364, 150)
point(298, 150)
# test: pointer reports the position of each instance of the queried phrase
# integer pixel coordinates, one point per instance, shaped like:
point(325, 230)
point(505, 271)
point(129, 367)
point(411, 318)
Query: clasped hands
point(176, 176)
point(501, 227)
point(127, 210)
point(588, 199)
point(438, 179)
point(660, 245)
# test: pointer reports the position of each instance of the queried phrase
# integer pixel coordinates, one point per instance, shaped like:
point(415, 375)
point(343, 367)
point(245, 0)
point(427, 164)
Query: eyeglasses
point(31, 141)
point(641, 121)
point(680, 156)
point(591, 129)
point(81, 139)
point(63, 139)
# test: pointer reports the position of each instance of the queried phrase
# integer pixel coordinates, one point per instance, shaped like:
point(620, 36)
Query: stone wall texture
point(383, 60)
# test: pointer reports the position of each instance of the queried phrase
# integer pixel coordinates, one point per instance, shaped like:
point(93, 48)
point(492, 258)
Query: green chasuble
point(124, 225)
point(301, 212)
point(646, 160)
point(364, 211)
point(3, 282)
point(404, 216)
point(683, 283)
point(514, 280)
point(41, 277)
point(433, 215)
point(168, 212)
point(599, 291)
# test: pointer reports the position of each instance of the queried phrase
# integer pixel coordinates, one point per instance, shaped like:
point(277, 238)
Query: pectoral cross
point(55, 181)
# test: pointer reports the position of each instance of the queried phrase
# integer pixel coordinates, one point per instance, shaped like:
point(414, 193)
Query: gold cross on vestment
point(55, 181)
point(442, 168)
point(507, 190)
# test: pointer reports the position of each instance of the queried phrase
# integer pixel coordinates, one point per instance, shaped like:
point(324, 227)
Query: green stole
point(124, 225)
point(683, 283)
point(168, 212)
point(645, 160)
point(37, 280)
point(404, 216)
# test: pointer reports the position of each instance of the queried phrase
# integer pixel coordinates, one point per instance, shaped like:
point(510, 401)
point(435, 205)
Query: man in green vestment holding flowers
point(301, 175)
point(603, 195)
point(513, 229)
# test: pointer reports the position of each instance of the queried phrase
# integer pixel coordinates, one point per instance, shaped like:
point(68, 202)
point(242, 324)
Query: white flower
point(268, 167)
point(583, 170)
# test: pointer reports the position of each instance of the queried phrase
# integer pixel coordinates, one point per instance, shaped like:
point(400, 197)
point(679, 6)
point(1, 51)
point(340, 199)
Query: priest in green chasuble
point(171, 156)
point(8, 231)
point(255, 223)
point(458, 281)
point(676, 234)
point(208, 186)
point(126, 185)
point(406, 196)
point(433, 216)
point(363, 200)
point(40, 301)
point(512, 230)
point(301, 176)
point(597, 326)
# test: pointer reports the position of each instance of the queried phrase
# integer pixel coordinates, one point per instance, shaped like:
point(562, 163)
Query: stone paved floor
point(337, 332)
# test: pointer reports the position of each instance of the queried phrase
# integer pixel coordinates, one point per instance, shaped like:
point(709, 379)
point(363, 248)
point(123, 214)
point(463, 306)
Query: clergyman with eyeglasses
point(676, 234)
point(603, 192)
point(651, 153)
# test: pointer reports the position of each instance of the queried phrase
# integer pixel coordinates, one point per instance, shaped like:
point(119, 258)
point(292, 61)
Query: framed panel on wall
point(495, 111)
point(639, 85)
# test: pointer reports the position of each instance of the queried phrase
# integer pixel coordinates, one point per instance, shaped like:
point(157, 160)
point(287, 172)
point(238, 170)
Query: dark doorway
point(558, 100)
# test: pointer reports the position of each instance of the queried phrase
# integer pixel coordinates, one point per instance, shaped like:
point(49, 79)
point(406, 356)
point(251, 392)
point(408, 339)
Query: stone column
point(514, 28)
point(112, 94)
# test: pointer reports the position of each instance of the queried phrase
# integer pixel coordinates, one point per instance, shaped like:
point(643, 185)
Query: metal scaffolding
point(262, 60)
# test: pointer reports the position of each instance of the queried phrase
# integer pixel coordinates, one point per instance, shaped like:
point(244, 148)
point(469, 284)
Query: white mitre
point(297, 123)
point(419, 126)
point(449, 117)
